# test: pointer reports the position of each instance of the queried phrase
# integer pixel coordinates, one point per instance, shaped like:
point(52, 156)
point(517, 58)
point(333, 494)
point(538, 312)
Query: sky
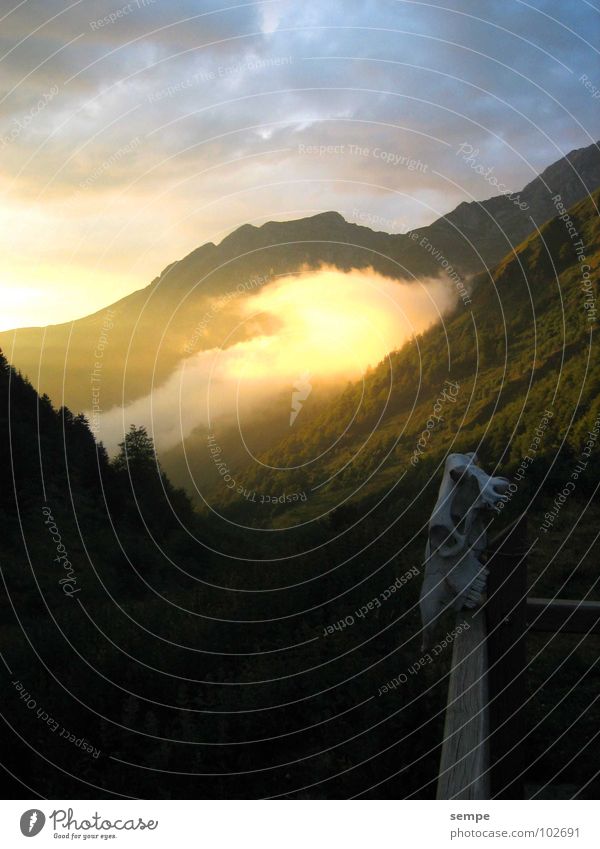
point(131, 133)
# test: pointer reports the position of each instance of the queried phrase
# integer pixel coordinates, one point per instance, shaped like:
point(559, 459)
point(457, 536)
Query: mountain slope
point(526, 345)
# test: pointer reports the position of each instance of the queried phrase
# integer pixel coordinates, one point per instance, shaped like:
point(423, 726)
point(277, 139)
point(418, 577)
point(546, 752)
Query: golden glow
point(337, 324)
point(71, 260)
point(16, 300)
point(54, 294)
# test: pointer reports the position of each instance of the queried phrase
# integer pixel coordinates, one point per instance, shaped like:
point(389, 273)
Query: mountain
point(496, 225)
point(141, 339)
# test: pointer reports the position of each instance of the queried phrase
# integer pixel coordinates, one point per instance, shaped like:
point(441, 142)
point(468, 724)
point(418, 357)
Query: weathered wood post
point(506, 612)
point(464, 764)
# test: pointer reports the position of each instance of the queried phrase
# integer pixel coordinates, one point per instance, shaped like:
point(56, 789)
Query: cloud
point(329, 325)
point(220, 99)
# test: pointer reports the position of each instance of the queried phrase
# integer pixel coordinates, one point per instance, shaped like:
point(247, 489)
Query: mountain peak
point(330, 215)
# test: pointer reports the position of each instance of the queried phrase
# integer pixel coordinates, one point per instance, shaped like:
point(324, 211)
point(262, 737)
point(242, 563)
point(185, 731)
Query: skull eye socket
point(457, 473)
point(441, 537)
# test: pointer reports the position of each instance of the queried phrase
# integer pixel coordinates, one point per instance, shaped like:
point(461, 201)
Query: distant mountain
point(496, 225)
point(139, 340)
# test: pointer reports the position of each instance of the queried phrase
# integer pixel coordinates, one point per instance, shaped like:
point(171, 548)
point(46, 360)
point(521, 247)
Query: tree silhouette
point(137, 451)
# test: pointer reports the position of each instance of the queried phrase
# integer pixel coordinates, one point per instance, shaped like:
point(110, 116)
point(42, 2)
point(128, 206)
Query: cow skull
point(455, 576)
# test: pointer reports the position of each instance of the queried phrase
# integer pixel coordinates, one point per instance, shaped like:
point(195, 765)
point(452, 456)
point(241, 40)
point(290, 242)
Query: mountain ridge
point(471, 238)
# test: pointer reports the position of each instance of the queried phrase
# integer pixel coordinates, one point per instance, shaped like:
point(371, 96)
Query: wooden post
point(506, 610)
point(464, 765)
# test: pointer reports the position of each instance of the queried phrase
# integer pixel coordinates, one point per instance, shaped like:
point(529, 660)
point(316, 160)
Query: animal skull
point(455, 576)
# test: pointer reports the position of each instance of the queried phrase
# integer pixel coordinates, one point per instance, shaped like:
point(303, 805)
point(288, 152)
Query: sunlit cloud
point(330, 326)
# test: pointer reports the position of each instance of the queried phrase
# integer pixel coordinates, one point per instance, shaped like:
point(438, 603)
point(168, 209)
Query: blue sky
point(132, 132)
